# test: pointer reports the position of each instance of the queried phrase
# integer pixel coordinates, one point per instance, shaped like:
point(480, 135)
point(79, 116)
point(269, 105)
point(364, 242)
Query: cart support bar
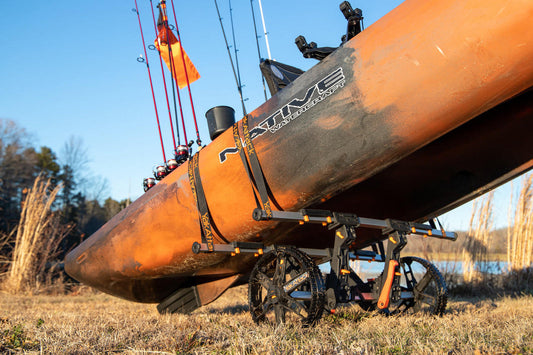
point(333, 220)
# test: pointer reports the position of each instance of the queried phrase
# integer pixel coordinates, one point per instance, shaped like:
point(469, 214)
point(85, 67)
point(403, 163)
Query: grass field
point(93, 323)
point(87, 322)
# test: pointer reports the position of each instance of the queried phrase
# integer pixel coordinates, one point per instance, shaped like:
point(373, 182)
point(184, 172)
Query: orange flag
point(181, 71)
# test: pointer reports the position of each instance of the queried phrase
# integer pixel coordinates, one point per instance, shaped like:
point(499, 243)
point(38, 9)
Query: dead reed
point(5, 259)
point(477, 244)
point(37, 237)
point(520, 229)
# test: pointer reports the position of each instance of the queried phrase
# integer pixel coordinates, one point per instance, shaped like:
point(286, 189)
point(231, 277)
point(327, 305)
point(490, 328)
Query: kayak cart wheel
point(422, 288)
point(286, 284)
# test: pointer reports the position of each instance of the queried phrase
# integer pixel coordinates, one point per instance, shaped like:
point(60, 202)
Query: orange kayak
point(426, 109)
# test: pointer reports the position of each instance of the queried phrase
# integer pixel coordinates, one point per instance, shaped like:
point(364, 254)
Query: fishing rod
point(258, 49)
point(235, 50)
point(141, 60)
point(175, 90)
point(264, 29)
point(198, 140)
point(230, 58)
point(165, 85)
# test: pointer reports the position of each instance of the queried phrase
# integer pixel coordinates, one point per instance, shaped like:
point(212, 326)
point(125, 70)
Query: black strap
point(206, 222)
point(254, 171)
point(242, 153)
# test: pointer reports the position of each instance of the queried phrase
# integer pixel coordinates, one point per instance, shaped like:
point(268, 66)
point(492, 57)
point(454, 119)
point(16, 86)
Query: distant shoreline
point(455, 257)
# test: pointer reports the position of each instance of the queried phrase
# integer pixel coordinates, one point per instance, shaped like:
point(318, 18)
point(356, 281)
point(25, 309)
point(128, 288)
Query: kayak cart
point(286, 283)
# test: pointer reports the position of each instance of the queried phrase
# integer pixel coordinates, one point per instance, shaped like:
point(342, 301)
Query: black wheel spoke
point(267, 302)
point(424, 282)
point(264, 280)
point(279, 312)
point(297, 308)
point(286, 263)
point(430, 293)
point(281, 266)
point(267, 307)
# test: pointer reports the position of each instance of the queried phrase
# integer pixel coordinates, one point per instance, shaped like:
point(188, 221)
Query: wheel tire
point(429, 290)
point(286, 282)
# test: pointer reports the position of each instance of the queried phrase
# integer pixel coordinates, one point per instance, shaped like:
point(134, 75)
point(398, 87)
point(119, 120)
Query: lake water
point(367, 270)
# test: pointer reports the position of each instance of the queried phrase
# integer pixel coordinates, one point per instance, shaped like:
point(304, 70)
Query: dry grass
point(520, 230)
point(37, 238)
point(94, 323)
point(97, 324)
point(5, 259)
point(477, 243)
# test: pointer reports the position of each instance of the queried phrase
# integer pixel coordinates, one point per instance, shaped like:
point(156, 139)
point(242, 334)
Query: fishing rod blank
point(258, 49)
point(198, 141)
point(264, 29)
point(235, 50)
point(236, 56)
point(175, 88)
point(230, 58)
point(141, 59)
point(165, 85)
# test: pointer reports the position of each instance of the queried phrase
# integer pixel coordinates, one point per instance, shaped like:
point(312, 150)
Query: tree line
point(80, 203)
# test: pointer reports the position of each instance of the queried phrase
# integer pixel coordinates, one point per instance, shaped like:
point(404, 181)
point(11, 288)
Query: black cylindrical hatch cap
point(219, 119)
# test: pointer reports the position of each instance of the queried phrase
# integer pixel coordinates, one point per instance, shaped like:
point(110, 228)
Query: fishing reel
point(160, 172)
point(148, 183)
point(182, 154)
point(171, 165)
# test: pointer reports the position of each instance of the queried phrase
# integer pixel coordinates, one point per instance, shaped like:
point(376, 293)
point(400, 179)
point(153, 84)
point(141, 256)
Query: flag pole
point(150, 77)
point(175, 90)
point(163, 8)
point(166, 91)
point(198, 141)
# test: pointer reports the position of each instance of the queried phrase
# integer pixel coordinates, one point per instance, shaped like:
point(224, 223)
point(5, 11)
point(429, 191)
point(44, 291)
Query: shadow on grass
point(490, 286)
point(233, 310)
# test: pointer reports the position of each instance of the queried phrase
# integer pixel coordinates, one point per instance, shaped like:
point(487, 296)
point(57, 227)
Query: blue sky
point(70, 69)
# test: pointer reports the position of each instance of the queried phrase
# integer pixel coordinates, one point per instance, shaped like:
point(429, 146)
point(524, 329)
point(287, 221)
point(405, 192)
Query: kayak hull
point(407, 120)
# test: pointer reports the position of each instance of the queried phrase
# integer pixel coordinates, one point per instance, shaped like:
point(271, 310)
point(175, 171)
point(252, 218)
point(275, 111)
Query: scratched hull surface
point(410, 118)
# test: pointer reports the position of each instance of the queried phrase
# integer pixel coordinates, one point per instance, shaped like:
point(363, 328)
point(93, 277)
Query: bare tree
point(17, 170)
point(75, 155)
point(98, 188)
